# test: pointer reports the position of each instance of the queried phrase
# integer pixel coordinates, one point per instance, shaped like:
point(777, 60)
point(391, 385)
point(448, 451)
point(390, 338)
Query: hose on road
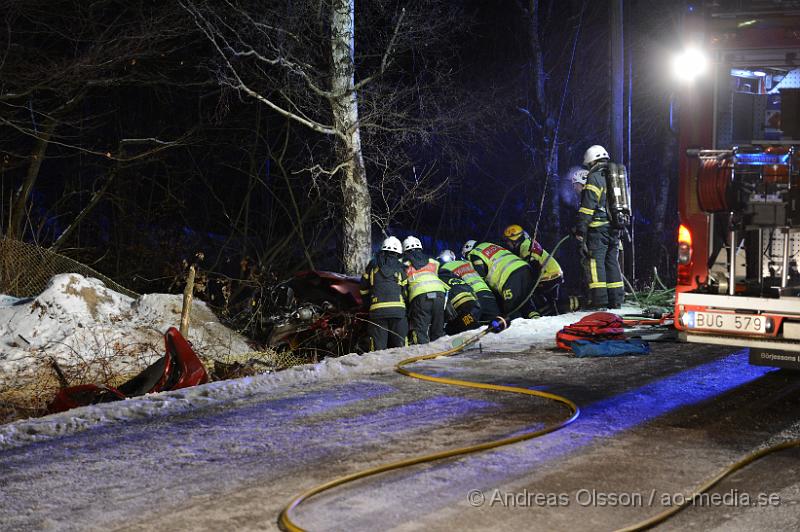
point(285, 519)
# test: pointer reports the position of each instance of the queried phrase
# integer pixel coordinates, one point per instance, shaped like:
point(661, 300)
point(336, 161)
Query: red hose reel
point(713, 180)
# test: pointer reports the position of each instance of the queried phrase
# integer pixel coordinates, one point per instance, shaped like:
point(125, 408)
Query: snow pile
point(78, 321)
point(521, 335)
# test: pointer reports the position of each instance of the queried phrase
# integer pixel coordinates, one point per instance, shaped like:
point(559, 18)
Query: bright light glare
point(759, 73)
point(689, 64)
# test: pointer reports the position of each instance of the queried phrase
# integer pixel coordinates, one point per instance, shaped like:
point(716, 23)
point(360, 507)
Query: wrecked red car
point(317, 313)
point(178, 368)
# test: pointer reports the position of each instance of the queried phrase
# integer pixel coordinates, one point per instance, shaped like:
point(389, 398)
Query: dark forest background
point(125, 146)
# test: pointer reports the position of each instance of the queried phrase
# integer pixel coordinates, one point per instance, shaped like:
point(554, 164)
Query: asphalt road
point(651, 428)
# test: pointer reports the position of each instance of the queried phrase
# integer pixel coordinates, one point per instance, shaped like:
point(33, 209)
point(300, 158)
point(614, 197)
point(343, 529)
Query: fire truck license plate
point(714, 321)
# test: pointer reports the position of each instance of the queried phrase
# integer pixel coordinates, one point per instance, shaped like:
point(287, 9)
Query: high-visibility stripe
point(466, 271)
point(552, 275)
point(584, 210)
point(388, 304)
point(593, 269)
point(460, 299)
point(501, 263)
point(424, 280)
point(598, 223)
point(364, 292)
point(597, 191)
point(598, 285)
point(617, 284)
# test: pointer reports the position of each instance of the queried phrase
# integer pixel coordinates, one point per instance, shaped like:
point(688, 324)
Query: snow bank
point(78, 320)
point(521, 335)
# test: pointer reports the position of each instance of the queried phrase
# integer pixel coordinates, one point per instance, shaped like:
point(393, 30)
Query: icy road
point(229, 455)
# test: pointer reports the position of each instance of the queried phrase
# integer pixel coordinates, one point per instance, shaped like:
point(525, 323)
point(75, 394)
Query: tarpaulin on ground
point(610, 348)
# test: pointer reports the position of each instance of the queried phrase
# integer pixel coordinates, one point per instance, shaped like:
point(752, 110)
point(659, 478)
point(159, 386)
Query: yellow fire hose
point(687, 501)
point(285, 520)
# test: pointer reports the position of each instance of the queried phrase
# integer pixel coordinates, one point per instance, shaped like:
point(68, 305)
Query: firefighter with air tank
point(604, 211)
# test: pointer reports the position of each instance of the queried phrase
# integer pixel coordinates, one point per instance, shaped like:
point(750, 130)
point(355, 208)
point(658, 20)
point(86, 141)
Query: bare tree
point(61, 56)
point(364, 95)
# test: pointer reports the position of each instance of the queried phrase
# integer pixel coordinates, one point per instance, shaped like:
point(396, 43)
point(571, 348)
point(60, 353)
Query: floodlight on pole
point(689, 64)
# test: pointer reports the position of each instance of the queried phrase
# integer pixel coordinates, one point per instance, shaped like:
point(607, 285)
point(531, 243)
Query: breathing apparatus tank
point(618, 195)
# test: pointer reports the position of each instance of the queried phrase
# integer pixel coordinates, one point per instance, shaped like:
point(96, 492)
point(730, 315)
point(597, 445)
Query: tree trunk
point(93, 202)
point(356, 207)
point(16, 226)
point(555, 192)
point(662, 192)
point(617, 81)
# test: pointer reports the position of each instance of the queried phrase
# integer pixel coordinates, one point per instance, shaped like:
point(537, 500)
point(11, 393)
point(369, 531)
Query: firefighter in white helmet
point(384, 292)
point(599, 243)
point(578, 178)
point(426, 293)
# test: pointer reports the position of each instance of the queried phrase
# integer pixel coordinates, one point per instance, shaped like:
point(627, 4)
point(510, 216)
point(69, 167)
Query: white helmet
point(594, 153)
point(392, 244)
point(578, 176)
point(447, 256)
point(411, 242)
point(468, 246)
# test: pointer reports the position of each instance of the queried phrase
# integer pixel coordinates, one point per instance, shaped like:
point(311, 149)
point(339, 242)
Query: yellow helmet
point(514, 233)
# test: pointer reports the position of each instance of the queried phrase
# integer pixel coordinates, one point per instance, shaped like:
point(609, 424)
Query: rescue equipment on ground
point(609, 348)
point(596, 326)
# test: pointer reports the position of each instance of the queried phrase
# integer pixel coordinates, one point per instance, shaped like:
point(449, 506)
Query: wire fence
point(26, 269)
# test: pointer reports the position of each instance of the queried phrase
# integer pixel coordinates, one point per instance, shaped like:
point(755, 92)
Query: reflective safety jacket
point(461, 292)
point(423, 278)
point(465, 270)
point(592, 212)
point(383, 286)
point(535, 254)
point(495, 263)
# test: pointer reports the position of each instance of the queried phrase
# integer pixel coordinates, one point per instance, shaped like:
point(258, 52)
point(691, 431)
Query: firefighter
point(426, 293)
point(547, 296)
point(506, 274)
point(463, 309)
point(383, 289)
point(464, 269)
point(578, 178)
point(599, 242)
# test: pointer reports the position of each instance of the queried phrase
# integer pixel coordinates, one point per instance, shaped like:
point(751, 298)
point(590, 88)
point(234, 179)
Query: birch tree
point(356, 204)
point(272, 49)
point(375, 97)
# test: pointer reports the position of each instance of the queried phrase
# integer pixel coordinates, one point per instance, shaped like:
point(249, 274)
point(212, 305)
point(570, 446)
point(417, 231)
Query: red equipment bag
point(595, 326)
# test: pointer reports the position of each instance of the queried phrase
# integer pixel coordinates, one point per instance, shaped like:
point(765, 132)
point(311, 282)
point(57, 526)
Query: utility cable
point(554, 146)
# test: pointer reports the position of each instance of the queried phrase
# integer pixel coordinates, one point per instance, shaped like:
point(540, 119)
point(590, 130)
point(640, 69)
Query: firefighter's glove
point(498, 324)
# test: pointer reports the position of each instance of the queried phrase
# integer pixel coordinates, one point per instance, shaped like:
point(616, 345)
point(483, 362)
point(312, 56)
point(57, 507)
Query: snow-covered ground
point(71, 311)
point(94, 333)
point(231, 454)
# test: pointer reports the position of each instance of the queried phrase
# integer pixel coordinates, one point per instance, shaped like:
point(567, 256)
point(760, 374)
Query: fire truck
point(738, 112)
